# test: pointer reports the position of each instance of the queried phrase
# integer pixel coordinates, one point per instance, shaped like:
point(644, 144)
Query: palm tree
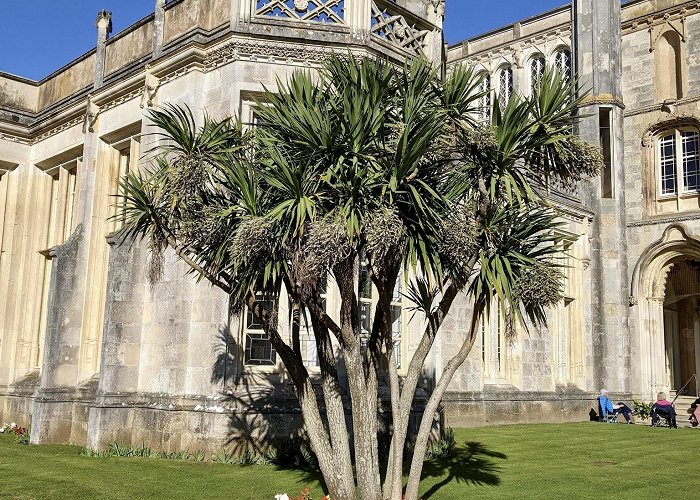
point(364, 160)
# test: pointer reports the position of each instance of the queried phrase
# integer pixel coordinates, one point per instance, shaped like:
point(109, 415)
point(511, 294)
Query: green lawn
point(587, 460)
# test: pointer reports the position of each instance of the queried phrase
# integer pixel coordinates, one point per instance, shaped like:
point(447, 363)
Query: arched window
point(536, 71)
point(679, 162)
point(505, 85)
point(485, 100)
point(562, 62)
point(669, 80)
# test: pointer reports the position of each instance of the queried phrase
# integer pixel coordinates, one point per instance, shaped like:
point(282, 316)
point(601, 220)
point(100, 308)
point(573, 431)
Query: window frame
point(558, 53)
point(247, 330)
point(485, 101)
point(536, 78)
point(680, 192)
point(503, 100)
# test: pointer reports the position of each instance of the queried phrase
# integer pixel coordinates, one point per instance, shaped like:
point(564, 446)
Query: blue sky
point(39, 36)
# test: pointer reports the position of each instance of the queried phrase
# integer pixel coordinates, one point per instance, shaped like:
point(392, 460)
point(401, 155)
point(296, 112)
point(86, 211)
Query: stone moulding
point(671, 16)
point(513, 48)
point(660, 106)
point(665, 220)
point(677, 240)
point(247, 49)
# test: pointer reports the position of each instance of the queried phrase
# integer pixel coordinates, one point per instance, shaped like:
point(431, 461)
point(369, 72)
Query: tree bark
point(409, 389)
point(366, 467)
point(335, 410)
point(432, 406)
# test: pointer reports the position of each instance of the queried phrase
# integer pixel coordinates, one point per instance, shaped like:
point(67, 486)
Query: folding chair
point(605, 416)
point(662, 418)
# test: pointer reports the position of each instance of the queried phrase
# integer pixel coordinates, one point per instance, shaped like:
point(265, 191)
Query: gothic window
point(494, 343)
point(505, 86)
point(64, 201)
point(259, 351)
point(365, 296)
point(126, 158)
point(537, 66)
point(562, 62)
point(568, 347)
point(679, 163)
point(669, 76)
point(485, 100)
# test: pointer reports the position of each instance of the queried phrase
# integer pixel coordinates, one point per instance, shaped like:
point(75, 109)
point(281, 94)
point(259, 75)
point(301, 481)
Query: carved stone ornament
point(91, 113)
point(301, 5)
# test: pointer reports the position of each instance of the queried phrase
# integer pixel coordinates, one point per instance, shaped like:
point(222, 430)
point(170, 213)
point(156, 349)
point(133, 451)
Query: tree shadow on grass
point(472, 464)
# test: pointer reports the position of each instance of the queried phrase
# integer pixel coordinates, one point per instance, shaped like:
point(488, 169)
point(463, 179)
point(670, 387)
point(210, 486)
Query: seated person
point(607, 407)
point(695, 413)
point(663, 409)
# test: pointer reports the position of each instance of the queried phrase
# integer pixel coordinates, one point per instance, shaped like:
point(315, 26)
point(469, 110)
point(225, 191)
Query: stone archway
point(666, 294)
point(682, 324)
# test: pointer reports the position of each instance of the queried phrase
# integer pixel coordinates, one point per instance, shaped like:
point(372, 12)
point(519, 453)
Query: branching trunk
point(432, 406)
point(367, 468)
point(415, 368)
point(335, 477)
point(335, 411)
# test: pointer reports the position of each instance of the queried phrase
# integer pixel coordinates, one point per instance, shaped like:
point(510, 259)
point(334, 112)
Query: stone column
point(61, 405)
point(655, 357)
point(158, 28)
point(104, 28)
point(358, 15)
point(241, 13)
point(435, 41)
point(597, 46)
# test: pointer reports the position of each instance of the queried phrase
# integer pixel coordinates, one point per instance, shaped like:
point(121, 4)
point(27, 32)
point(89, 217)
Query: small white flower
point(282, 496)
point(13, 425)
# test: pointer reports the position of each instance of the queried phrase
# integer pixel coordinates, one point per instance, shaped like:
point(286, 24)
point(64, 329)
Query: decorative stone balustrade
point(414, 27)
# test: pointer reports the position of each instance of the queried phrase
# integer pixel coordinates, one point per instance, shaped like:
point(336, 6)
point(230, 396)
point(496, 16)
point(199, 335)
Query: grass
point(570, 461)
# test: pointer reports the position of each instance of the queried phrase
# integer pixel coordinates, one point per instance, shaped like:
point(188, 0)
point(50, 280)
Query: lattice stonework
point(322, 11)
point(395, 29)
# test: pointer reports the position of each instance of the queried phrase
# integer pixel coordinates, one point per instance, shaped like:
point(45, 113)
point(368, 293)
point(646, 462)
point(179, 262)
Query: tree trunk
point(408, 393)
point(339, 483)
point(335, 410)
point(432, 406)
point(366, 467)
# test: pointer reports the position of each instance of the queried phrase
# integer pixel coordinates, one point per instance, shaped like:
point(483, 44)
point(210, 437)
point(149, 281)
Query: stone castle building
point(90, 353)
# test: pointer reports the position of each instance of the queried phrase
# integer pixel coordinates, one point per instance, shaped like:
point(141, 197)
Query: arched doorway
point(682, 324)
point(666, 292)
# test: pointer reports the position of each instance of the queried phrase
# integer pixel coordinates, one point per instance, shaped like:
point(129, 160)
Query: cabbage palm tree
point(366, 161)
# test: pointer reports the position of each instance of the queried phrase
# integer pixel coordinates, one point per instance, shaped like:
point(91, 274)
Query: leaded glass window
point(396, 320)
point(667, 149)
point(562, 61)
point(367, 303)
point(505, 86)
point(259, 351)
point(536, 72)
point(485, 101)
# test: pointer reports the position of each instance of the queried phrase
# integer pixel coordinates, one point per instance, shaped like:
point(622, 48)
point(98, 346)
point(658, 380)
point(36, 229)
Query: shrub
point(642, 409)
point(445, 446)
